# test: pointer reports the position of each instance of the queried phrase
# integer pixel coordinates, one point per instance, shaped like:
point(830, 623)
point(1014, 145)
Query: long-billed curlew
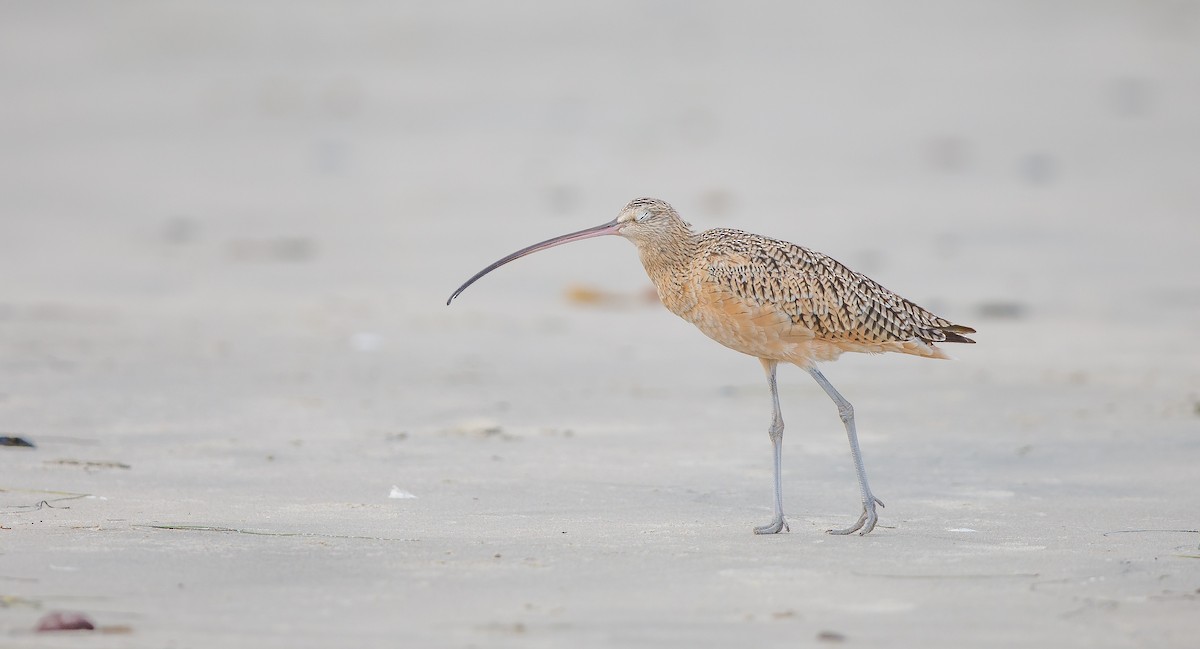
point(773, 300)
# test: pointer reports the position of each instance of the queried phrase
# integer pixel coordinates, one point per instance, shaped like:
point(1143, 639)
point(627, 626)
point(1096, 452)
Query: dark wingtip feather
point(953, 337)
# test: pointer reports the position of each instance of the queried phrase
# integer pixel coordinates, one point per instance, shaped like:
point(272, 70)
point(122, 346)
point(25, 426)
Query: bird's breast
point(755, 329)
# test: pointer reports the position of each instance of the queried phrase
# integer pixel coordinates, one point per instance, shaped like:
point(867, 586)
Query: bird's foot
point(866, 522)
point(774, 527)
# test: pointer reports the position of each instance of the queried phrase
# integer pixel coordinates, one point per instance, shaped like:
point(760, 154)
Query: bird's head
point(647, 222)
point(650, 221)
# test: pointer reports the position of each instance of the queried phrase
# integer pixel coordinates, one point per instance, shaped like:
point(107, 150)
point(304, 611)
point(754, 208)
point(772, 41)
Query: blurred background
point(194, 183)
point(332, 170)
point(391, 137)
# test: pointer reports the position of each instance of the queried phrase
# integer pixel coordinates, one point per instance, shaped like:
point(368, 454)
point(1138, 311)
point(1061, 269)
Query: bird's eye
point(642, 216)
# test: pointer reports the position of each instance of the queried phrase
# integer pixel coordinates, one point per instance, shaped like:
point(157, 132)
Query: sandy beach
point(228, 232)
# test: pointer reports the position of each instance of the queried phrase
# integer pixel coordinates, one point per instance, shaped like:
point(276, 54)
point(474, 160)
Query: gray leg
point(776, 433)
point(866, 522)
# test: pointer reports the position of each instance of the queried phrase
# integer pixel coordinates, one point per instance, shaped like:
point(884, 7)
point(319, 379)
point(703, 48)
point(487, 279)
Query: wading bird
point(773, 300)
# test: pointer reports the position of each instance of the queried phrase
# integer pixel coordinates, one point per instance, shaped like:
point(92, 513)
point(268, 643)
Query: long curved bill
point(612, 227)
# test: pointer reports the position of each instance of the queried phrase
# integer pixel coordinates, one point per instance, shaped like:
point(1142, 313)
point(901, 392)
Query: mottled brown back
point(817, 292)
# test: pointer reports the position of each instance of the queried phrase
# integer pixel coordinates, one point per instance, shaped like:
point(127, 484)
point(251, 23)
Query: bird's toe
point(774, 527)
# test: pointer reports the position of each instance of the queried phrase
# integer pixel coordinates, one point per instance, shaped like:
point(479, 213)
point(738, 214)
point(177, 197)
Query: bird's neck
point(667, 253)
point(668, 264)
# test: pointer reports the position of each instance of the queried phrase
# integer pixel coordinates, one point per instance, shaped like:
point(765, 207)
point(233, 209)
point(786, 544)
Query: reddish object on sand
point(65, 621)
